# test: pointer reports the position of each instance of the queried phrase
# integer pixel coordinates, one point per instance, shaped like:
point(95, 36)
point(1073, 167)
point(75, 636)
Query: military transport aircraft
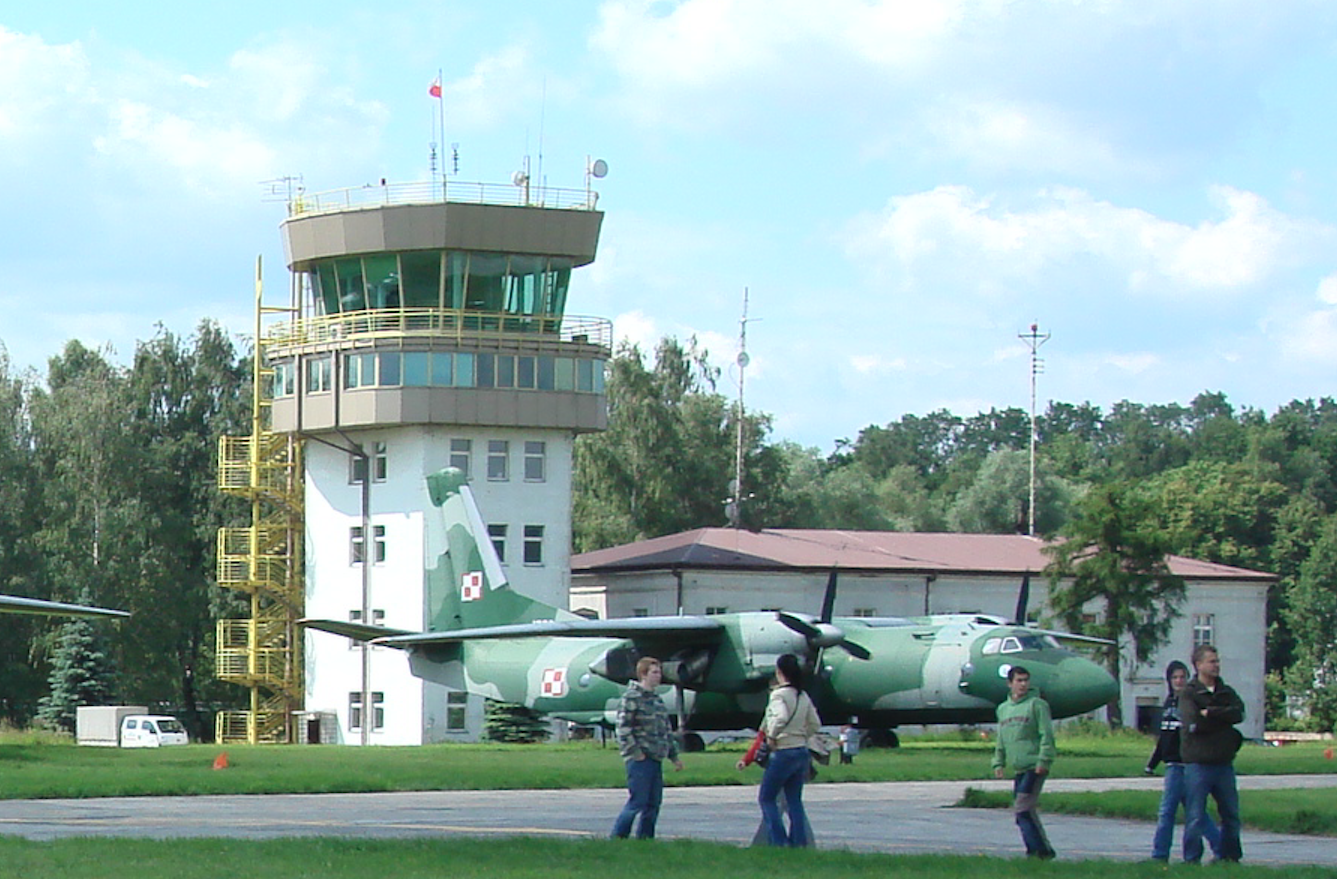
point(488, 639)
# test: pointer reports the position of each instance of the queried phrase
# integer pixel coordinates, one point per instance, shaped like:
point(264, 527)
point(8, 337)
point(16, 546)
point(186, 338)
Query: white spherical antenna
point(743, 359)
point(519, 178)
point(599, 169)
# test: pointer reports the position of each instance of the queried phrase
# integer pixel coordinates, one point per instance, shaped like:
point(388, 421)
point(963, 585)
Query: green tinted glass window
point(546, 369)
point(382, 277)
point(456, 268)
point(421, 279)
point(327, 288)
point(485, 286)
point(584, 375)
point(352, 296)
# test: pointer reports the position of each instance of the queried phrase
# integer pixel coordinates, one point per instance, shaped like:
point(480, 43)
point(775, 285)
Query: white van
point(151, 731)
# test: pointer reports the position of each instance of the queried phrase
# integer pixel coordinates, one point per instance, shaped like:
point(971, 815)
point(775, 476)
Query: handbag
point(763, 755)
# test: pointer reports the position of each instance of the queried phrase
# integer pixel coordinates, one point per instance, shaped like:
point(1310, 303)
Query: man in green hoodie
point(1025, 747)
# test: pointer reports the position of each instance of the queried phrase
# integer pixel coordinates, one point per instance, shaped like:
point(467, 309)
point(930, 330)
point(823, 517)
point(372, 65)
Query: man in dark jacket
point(1209, 708)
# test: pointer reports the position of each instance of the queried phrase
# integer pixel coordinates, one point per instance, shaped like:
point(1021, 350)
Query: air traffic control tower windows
point(499, 283)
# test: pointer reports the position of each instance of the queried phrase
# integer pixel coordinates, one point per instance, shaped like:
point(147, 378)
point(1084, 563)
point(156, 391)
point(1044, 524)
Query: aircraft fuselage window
point(1011, 645)
point(991, 646)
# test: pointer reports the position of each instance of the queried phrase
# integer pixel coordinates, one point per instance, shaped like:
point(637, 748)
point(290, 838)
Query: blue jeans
point(645, 788)
point(1026, 788)
point(786, 771)
point(1217, 779)
point(1173, 796)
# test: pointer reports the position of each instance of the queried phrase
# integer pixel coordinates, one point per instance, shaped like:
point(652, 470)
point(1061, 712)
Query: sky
point(902, 187)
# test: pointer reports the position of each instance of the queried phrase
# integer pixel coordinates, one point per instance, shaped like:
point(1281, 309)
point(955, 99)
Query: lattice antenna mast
point(1034, 339)
point(734, 506)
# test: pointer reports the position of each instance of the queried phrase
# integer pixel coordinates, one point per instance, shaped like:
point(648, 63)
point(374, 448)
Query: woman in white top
point(790, 721)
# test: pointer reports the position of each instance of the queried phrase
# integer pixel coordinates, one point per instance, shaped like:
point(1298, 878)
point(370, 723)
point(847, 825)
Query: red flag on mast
point(435, 88)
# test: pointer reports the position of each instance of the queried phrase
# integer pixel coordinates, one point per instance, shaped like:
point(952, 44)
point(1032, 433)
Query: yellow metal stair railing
point(263, 652)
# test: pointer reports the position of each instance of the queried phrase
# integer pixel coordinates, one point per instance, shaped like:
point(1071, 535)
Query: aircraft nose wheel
point(693, 743)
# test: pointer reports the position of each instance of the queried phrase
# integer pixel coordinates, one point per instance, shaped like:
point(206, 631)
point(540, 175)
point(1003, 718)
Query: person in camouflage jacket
point(645, 739)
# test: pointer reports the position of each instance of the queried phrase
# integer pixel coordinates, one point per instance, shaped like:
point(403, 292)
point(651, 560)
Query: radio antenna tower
point(734, 506)
point(1034, 339)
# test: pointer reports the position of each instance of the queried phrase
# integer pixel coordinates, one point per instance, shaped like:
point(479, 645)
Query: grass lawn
point(36, 769)
point(525, 858)
point(1312, 812)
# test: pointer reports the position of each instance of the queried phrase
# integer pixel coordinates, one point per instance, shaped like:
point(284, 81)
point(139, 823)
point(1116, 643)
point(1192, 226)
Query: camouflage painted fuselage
point(947, 669)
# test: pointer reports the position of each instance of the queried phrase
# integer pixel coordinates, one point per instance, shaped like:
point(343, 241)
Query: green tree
point(515, 724)
point(667, 460)
point(1109, 578)
point(1311, 616)
point(81, 674)
point(998, 500)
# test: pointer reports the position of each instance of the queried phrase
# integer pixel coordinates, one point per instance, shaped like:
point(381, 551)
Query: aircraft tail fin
point(466, 585)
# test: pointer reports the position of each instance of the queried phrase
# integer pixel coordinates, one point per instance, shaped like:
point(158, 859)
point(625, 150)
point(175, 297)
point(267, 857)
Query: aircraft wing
point(356, 631)
point(15, 604)
point(700, 630)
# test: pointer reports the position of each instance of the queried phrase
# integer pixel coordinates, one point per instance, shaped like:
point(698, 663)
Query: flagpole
point(441, 128)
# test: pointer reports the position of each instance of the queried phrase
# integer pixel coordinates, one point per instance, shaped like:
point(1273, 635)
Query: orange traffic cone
point(220, 762)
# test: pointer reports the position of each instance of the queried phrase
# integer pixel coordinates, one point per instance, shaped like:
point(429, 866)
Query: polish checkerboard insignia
point(554, 682)
point(471, 586)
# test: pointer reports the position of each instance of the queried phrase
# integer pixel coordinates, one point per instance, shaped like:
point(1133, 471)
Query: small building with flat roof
point(908, 574)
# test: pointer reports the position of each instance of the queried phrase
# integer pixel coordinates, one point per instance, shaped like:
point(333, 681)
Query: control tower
point(428, 328)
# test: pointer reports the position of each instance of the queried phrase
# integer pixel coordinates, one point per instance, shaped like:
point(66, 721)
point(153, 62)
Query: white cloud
point(490, 93)
point(36, 78)
point(876, 364)
point(1137, 362)
point(1327, 290)
point(636, 328)
point(951, 229)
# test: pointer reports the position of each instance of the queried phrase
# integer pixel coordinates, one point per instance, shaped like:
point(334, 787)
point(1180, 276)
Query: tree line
point(1204, 480)
point(108, 496)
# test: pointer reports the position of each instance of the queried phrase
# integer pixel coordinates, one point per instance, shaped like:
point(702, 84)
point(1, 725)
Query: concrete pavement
point(899, 817)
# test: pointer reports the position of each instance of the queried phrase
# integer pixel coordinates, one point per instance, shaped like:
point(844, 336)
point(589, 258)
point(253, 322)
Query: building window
point(319, 375)
point(498, 460)
point(716, 610)
point(533, 544)
point(461, 452)
point(457, 705)
point(536, 454)
point(356, 547)
point(640, 611)
point(864, 612)
point(284, 380)
point(1204, 629)
point(355, 710)
point(359, 370)
point(498, 535)
point(380, 465)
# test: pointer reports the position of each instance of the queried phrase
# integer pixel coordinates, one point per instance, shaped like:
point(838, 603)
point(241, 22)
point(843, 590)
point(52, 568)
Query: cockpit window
point(991, 646)
point(1011, 645)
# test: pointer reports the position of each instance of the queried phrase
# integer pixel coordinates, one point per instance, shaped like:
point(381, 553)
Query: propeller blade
point(1023, 598)
point(821, 635)
point(858, 651)
point(829, 599)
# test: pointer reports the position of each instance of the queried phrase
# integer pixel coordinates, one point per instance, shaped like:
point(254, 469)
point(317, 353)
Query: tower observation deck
point(428, 328)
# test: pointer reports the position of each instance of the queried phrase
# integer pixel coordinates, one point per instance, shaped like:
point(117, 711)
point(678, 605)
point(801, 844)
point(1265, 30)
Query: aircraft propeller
point(822, 633)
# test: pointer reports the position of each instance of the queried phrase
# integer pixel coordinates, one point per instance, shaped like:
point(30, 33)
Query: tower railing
point(426, 192)
point(456, 324)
